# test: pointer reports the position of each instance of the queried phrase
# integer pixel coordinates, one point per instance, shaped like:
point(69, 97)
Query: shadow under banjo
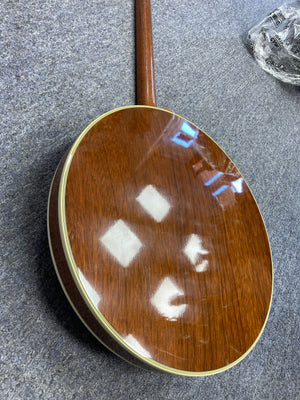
point(156, 238)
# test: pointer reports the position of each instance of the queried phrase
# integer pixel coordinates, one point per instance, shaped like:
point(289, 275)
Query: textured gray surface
point(64, 63)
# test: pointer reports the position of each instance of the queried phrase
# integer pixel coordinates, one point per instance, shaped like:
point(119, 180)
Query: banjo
point(156, 238)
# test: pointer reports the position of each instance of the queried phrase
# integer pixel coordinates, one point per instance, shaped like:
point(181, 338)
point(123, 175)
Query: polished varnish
point(158, 242)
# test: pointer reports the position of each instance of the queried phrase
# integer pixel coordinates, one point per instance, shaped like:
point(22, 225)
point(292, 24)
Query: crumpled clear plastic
point(275, 43)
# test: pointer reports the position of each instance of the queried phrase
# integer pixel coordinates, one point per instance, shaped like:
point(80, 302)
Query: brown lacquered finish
point(156, 238)
point(145, 82)
point(66, 278)
point(169, 253)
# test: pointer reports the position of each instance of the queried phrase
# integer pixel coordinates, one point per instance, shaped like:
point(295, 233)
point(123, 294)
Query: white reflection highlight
point(154, 203)
point(91, 292)
point(194, 248)
point(134, 343)
point(237, 186)
point(121, 243)
point(165, 294)
point(202, 266)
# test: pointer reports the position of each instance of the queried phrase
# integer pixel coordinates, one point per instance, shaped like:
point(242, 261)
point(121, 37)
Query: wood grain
point(67, 281)
point(171, 256)
point(145, 81)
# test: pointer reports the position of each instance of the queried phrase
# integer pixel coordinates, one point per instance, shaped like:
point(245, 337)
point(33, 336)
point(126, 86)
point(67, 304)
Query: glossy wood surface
point(168, 248)
point(64, 272)
point(145, 81)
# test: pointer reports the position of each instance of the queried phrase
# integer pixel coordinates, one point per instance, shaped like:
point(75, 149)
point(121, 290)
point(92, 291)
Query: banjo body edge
point(159, 244)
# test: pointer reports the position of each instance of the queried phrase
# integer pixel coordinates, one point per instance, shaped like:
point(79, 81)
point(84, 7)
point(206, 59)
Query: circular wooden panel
point(164, 241)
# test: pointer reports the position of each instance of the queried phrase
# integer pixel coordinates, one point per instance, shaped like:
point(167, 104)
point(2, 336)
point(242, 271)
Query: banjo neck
point(145, 81)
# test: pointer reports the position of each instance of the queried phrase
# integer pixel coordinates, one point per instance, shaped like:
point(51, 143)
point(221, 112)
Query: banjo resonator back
point(159, 243)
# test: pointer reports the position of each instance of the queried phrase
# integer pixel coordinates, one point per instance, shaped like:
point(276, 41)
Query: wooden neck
point(145, 81)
